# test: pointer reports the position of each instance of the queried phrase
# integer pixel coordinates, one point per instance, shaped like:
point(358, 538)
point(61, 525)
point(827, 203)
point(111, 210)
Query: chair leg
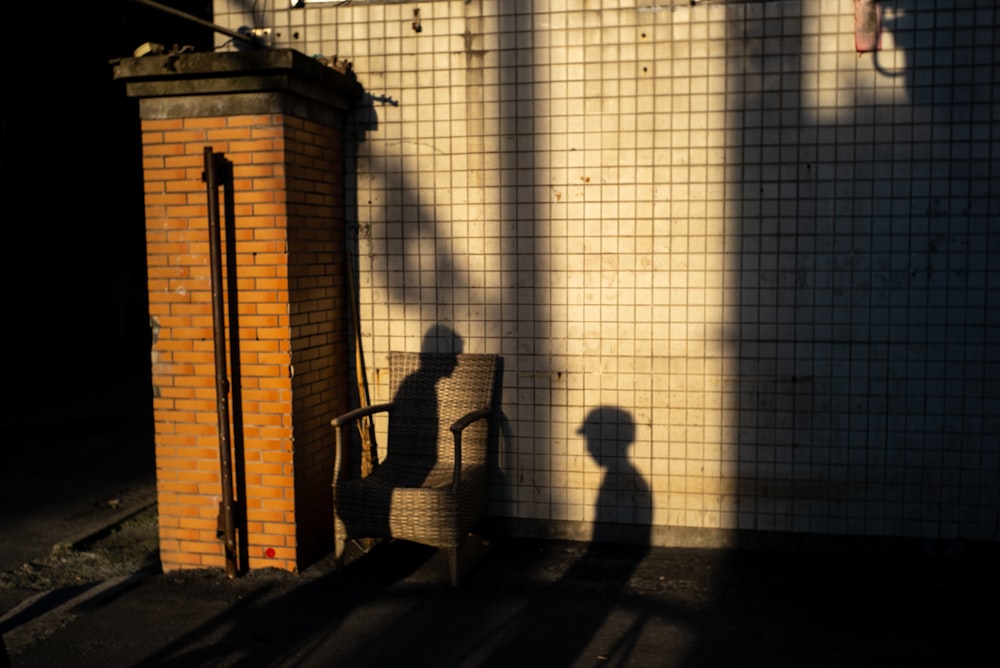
point(339, 549)
point(453, 565)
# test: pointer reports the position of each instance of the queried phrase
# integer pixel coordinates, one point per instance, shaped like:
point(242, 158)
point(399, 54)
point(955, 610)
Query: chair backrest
point(432, 390)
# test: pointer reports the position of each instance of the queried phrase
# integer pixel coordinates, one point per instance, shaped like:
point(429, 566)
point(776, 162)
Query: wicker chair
point(430, 488)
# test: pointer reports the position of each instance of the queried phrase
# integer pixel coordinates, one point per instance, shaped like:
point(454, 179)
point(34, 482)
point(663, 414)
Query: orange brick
point(195, 162)
point(251, 119)
point(198, 148)
point(184, 136)
point(268, 129)
point(205, 122)
point(150, 149)
point(150, 124)
point(165, 199)
point(229, 134)
point(185, 186)
point(250, 172)
point(196, 547)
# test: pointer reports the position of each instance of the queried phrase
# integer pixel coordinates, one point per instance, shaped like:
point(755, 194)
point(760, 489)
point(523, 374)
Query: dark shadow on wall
point(392, 230)
point(864, 310)
point(776, 249)
point(932, 298)
point(361, 119)
point(863, 324)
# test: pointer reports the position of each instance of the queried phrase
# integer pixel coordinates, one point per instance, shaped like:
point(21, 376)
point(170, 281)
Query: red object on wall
point(867, 26)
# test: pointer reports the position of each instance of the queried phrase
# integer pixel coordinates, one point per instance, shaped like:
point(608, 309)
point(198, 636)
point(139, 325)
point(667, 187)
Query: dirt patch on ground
point(123, 549)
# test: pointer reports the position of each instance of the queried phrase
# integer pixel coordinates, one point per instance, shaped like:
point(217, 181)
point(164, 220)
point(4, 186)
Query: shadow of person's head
point(445, 344)
point(609, 432)
point(442, 339)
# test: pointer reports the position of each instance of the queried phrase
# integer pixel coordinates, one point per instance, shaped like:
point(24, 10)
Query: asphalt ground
point(522, 602)
point(546, 603)
point(72, 462)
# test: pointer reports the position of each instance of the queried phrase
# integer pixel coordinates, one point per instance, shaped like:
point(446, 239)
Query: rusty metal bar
point(227, 523)
point(249, 39)
point(236, 383)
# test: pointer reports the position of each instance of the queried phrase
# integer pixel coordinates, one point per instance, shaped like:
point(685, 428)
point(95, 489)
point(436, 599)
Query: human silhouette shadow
point(624, 498)
point(421, 414)
point(554, 630)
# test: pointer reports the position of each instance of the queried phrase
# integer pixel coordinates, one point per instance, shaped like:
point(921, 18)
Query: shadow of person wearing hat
point(568, 620)
point(624, 506)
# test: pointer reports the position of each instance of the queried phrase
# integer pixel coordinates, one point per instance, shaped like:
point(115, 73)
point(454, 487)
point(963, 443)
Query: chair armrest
point(457, 427)
point(341, 451)
point(357, 413)
point(467, 419)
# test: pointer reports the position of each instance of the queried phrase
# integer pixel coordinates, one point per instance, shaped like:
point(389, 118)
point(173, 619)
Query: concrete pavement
point(74, 461)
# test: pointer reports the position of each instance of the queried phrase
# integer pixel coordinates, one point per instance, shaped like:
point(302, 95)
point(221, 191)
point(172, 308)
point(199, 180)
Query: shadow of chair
point(431, 486)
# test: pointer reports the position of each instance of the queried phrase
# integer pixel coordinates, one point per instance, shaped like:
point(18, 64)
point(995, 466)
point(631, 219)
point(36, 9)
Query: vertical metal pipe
point(227, 515)
point(235, 379)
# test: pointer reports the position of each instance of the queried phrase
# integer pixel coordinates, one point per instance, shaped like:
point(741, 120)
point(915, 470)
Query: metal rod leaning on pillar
point(235, 373)
point(226, 508)
point(249, 39)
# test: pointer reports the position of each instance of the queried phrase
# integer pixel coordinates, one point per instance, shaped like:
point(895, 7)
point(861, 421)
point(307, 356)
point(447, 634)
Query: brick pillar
point(278, 117)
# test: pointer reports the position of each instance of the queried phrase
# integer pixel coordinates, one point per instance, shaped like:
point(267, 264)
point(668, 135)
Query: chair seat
point(409, 472)
point(430, 513)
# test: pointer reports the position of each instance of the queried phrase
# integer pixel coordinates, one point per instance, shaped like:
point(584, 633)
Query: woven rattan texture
point(412, 493)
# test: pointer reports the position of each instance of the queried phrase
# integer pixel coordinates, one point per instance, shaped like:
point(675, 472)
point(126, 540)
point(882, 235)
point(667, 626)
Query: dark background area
point(74, 283)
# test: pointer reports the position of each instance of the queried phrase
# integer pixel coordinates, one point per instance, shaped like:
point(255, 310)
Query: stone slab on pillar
point(278, 117)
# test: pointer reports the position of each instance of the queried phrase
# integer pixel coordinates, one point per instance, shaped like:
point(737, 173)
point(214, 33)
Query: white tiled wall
point(775, 257)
